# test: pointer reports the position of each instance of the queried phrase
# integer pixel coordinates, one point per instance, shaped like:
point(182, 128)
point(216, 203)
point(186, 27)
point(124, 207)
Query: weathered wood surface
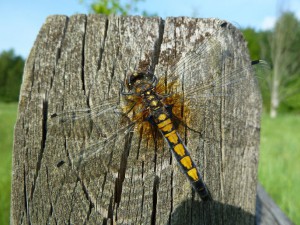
point(76, 63)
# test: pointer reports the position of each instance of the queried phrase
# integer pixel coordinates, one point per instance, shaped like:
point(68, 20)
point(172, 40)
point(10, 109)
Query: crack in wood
point(83, 56)
point(154, 200)
point(123, 168)
point(43, 143)
point(103, 45)
point(26, 201)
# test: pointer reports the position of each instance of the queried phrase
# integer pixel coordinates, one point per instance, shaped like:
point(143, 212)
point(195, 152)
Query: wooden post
point(76, 63)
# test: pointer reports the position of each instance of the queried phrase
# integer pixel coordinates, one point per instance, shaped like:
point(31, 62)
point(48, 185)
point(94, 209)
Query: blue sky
point(20, 20)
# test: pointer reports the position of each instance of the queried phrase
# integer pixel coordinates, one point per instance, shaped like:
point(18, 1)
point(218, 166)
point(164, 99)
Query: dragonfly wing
point(81, 123)
point(107, 152)
point(186, 71)
point(201, 79)
point(102, 134)
point(222, 97)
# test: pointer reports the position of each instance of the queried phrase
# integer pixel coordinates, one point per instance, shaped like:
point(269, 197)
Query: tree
point(285, 54)
point(108, 7)
point(281, 49)
point(11, 70)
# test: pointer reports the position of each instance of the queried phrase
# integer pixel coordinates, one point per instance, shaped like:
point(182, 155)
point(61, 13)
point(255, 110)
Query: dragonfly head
point(138, 82)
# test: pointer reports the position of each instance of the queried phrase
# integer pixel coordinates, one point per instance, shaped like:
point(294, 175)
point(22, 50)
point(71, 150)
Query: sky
point(21, 20)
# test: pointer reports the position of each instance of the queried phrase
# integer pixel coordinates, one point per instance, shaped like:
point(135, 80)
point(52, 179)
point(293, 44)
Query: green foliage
point(252, 38)
point(259, 48)
point(258, 44)
point(8, 113)
point(279, 169)
point(11, 70)
point(108, 7)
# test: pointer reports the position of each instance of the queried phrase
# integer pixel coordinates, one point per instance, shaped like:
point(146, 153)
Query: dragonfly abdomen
point(182, 155)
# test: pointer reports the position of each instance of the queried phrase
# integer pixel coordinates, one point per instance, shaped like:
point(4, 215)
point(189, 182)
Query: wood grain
point(76, 63)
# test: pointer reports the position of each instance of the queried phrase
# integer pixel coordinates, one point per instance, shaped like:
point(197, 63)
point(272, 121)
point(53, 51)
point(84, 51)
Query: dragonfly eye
point(140, 81)
point(134, 79)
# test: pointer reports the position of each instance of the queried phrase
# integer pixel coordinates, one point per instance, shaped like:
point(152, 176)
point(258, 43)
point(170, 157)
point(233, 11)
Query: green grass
point(279, 169)
point(8, 114)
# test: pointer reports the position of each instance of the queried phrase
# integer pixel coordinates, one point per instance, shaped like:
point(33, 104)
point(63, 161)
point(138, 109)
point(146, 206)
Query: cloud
point(295, 6)
point(268, 22)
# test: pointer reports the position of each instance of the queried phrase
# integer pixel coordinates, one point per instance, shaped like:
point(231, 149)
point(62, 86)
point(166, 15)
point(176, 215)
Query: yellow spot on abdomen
point(172, 137)
point(167, 128)
point(193, 174)
point(179, 149)
point(162, 117)
point(186, 162)
point(164, 123)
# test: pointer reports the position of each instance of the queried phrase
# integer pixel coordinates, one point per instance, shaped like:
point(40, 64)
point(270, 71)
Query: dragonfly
point(160, 107)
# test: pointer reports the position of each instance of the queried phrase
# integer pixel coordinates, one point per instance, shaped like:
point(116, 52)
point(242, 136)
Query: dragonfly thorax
point(151, 99)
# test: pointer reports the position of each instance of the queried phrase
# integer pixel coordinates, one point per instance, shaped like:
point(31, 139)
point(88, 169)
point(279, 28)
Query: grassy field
point(279, 170)
point(8, 113)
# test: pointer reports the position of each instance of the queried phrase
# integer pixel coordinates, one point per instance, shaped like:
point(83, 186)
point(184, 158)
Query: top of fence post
point(78, 63)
